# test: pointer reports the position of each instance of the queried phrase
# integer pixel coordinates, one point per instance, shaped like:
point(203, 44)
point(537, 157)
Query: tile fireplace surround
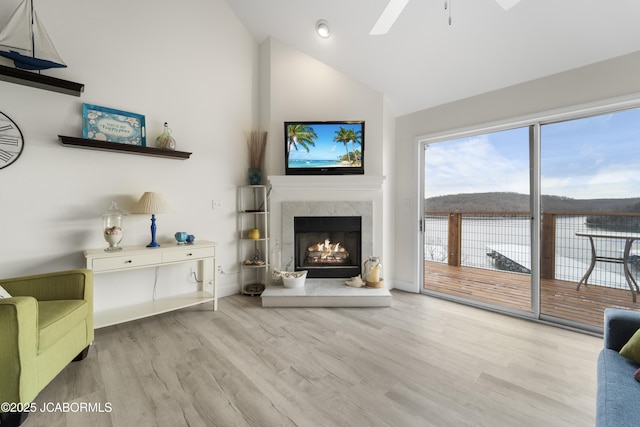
point(290, 210)
point(323, 196)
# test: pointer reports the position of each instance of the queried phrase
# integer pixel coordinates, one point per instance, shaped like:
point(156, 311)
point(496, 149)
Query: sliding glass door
point(541, 220)
point(590, 186)
point(476, 225)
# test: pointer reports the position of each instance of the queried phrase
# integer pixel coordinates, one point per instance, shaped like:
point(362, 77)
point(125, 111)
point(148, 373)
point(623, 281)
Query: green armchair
point(47, 323)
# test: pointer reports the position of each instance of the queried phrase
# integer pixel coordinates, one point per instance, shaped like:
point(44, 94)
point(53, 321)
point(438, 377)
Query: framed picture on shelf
point(107, 124)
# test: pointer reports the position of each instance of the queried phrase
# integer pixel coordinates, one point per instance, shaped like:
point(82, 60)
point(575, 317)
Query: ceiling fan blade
point(389, 15)
point(507, 4)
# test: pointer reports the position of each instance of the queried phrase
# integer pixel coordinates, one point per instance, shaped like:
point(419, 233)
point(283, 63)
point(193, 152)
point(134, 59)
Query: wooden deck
point(558, 298)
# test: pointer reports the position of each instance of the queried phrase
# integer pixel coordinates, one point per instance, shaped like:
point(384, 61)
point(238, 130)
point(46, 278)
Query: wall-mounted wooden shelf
point(70, 141)
point(27, 78)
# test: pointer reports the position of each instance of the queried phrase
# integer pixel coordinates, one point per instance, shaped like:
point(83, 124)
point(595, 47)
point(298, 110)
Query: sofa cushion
point(56, 318)
point(632, 348)
point(618, 391)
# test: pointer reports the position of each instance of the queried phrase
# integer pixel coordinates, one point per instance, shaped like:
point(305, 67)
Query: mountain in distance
point(516, 202)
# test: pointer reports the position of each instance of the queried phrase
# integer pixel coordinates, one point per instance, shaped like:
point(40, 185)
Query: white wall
point(608, 79)
point(295, 86)
point(190, 63)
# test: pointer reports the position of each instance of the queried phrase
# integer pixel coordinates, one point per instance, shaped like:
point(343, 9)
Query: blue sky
point(325, 148)
point(596, 157)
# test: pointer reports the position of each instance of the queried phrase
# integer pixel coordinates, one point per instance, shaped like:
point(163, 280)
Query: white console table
point(134, 257)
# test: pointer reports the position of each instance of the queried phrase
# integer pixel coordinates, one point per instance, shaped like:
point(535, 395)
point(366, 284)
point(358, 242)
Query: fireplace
point(362, 210)
point(325, 196)
point(328, 246)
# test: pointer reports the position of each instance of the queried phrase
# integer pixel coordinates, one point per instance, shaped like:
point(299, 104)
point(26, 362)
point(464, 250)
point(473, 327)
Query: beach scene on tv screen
point(317, 145)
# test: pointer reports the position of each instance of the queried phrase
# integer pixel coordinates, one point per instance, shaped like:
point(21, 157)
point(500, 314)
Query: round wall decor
point(11, 141)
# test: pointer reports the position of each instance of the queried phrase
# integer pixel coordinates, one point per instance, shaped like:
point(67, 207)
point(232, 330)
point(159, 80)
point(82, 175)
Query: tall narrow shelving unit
point(253, 238)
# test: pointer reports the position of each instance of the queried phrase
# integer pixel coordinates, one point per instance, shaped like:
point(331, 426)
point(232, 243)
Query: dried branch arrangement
point(257, 143)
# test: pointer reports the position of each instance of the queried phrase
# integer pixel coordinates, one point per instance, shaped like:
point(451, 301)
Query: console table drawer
point(187, 254)
point(126, 262)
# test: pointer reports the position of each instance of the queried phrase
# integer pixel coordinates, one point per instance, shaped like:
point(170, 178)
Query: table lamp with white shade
point(152, 203)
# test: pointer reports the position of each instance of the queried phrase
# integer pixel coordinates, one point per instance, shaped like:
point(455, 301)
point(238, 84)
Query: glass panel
point(590, 203)
point(476, 225)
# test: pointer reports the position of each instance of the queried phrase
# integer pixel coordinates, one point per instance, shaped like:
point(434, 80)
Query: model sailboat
point(25, 41)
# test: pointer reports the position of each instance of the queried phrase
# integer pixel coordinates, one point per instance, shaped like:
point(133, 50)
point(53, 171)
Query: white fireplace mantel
point(326, 182)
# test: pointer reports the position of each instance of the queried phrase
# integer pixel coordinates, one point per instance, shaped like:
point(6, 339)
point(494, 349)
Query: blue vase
point(255, 176)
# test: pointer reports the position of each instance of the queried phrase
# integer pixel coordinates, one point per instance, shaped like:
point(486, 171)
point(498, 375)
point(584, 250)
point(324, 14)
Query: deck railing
point(501, 241)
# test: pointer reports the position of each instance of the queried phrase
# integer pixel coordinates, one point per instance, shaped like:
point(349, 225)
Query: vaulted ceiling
point(423, 61)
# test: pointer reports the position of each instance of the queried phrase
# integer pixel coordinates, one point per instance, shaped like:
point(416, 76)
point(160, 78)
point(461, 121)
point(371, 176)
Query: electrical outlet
point(216, 204)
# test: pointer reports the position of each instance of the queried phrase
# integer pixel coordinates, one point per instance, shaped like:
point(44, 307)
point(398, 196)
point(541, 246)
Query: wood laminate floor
point(421, 362)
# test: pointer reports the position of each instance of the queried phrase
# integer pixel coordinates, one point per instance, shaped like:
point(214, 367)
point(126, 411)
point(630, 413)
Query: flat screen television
point(324, 148)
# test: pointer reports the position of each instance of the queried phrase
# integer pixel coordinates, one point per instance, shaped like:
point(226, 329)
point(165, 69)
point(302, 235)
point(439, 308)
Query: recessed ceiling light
point(322, 28)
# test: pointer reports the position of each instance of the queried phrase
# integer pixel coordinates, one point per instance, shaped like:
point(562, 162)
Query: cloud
point(471, 166)
point(595, 157)
point(614, 181)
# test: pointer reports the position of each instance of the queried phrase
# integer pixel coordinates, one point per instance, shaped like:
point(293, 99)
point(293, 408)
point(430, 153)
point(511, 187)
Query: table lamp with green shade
point(152, 203)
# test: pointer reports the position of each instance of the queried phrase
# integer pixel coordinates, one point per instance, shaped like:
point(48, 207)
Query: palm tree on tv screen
point(344, 136)
point(356, 138)
point(301, 135)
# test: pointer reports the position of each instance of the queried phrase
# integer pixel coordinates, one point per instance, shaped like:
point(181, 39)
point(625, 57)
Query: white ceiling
point(424, 62)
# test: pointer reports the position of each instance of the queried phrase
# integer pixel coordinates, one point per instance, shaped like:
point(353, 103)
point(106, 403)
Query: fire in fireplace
point(328, 246)
point(327, 253)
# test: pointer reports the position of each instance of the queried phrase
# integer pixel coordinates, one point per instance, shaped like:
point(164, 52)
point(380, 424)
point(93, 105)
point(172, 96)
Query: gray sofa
point(618, 392)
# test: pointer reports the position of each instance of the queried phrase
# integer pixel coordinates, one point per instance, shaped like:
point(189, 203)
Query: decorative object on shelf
point(152, 203)
point(292, 279)
point(190, 239)
point(113, 225)
point(11, 141)
point(257, 143)
point(372, 272)
point(165, 140)
point(255, 176)
point(181, 237)
point(25, 41)
point(107, 124)
point(253, 233)
point(355, 282)
point(254, 289)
